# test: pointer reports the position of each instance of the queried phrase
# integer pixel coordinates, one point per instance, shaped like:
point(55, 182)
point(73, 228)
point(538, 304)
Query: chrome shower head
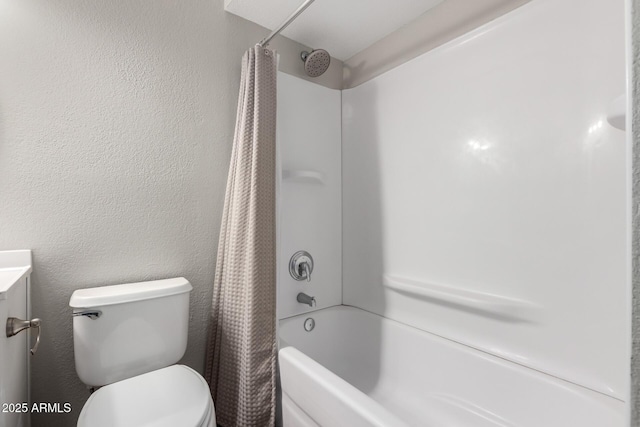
point(316, 62)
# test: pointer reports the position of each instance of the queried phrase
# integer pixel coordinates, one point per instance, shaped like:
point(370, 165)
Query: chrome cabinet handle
point(36, 323)
point(15, 326)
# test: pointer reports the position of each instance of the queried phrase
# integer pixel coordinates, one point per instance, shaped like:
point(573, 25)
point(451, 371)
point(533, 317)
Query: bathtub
point(355, 368)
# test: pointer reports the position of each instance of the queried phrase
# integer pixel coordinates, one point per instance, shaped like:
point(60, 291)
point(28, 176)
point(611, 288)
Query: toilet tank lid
point(130, 292)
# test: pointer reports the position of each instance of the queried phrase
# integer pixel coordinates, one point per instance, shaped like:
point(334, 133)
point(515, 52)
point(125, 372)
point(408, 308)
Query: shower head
point(316, 62)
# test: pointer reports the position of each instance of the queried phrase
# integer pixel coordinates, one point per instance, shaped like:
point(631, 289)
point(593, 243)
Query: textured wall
point(116, 121)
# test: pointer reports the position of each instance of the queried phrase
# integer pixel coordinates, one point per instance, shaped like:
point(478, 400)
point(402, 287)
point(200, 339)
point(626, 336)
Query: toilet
point(127, 340)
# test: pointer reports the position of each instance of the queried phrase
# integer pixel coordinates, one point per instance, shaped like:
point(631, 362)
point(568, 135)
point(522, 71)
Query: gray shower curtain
point(241, 351)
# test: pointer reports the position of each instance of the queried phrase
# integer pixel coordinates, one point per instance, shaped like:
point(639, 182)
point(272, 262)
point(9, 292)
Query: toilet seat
point(168, 397)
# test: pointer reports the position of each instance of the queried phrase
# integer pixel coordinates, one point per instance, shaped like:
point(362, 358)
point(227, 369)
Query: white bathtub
point(359, 369)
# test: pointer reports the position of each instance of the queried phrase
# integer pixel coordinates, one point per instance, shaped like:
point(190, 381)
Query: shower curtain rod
point(265, 41)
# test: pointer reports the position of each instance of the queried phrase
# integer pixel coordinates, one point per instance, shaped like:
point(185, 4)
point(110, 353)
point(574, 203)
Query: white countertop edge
point(14, 266)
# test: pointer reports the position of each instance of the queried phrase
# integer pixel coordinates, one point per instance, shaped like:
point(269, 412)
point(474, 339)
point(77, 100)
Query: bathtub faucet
point(301, 266)
point(306, 299)
point(307, 270)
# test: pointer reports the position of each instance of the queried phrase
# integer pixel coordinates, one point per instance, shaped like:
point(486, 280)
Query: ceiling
point(342, 27)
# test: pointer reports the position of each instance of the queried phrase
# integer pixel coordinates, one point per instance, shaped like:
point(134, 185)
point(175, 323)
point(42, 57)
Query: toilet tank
point(126, 330)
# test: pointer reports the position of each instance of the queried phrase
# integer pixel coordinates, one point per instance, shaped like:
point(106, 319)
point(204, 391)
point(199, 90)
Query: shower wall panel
point(309, 202)
point(485, 192)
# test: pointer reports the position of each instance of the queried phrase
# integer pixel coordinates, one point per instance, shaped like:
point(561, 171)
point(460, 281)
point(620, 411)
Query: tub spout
point(306, 299)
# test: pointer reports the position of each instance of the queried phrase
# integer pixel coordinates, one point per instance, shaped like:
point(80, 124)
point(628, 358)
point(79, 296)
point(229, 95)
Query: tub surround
point(486, 168)
point(482, 203)
point(309, 200)
point(447, 21)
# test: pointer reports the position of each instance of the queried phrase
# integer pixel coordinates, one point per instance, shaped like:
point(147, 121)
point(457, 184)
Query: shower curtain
point(241, 350)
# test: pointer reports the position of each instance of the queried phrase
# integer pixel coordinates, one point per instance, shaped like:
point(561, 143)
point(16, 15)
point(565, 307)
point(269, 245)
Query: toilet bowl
point(168, 397)
point(127, 339)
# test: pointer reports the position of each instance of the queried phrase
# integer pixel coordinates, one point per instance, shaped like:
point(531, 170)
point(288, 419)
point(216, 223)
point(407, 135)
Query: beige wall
point(116, 123)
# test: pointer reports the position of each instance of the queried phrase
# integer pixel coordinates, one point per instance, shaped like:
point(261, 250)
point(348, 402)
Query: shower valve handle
point(301, 266)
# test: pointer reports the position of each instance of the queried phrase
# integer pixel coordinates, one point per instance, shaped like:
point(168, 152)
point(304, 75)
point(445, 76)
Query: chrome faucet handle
point(15, 326)
point(307, 271)
point(301, 266)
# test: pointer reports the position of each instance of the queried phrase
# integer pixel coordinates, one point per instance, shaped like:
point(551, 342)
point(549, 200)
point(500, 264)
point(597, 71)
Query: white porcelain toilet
point(127, 338)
